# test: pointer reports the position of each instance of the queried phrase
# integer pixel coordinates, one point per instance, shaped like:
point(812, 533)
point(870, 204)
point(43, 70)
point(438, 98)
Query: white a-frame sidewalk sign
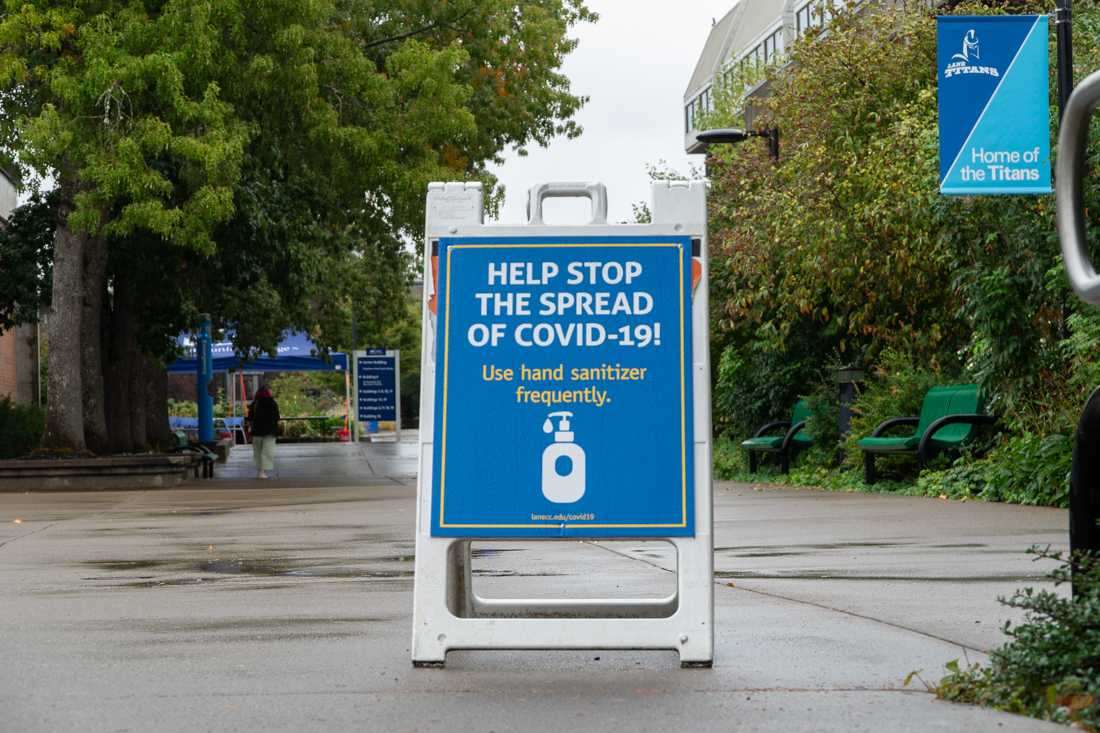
point(565, 395)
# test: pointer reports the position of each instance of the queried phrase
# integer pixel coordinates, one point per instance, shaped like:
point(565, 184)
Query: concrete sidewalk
point(285, 605)
point(321, 465)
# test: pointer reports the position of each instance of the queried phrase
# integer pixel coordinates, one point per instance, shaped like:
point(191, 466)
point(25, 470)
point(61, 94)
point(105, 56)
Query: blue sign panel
point(993, 104)
point(563, 403)
point(377, 388)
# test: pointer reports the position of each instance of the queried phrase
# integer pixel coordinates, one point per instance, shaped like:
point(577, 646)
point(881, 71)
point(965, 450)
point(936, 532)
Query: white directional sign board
point(378, 388)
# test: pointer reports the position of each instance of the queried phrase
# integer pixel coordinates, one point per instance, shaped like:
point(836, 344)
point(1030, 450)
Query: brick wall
point(8, 380)
point(19, 365)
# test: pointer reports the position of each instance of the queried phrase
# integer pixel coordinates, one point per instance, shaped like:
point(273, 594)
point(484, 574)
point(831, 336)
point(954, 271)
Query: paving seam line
point(5, 543)
point(127, 500)
point(721, 583)
point(366, 460)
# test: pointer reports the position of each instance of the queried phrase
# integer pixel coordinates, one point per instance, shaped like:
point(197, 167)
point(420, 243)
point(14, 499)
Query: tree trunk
point(136, 361)
point(91, 347)
point(119, 370)
point(157, 433)
point(65, 403)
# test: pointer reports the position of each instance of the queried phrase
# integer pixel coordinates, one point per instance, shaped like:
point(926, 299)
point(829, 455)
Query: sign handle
point(594, 192)
point(1072, 145)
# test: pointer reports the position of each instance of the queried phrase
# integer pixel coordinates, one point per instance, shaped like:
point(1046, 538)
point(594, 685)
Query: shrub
point(20, 428)
point(1050, 667)
point(182, 408)
point(728, 459)
point(1023, 469)
point(756, 385)
point(1081, 350)
point(309, 393)
point(297, 429)
point(843, 247)
point(824, 403)
point(190, 408)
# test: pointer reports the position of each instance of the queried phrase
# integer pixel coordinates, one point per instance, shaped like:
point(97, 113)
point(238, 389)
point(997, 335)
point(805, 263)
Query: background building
point(753, 34)
point(8, 196)
point(18, 346)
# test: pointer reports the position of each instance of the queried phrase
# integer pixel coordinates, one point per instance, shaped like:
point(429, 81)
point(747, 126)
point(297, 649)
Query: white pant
point(263, 452)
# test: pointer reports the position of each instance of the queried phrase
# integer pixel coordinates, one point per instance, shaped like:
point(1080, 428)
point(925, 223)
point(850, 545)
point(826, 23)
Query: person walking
point(263, 417)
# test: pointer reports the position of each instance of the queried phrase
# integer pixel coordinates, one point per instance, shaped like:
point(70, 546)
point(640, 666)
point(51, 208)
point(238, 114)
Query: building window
point(769, 51)
point(696, 108)
point(773, 47)
point(753, 59)
point(807, 17)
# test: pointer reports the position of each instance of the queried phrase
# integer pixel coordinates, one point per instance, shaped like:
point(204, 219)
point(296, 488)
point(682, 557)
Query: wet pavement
point(236, 604)
point(325, 464)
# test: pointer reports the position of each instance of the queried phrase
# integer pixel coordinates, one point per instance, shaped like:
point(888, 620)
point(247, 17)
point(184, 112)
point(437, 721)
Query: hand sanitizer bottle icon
point(562, 463)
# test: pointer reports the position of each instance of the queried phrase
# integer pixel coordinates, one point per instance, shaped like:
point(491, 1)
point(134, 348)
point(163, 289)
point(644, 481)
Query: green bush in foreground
point(1024, 469)
point(1027, 469)
point(20, 428)
point(1050, 668)
point(728, 460)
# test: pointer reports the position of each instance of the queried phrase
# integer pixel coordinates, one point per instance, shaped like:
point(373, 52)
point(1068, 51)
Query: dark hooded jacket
point(263, 414)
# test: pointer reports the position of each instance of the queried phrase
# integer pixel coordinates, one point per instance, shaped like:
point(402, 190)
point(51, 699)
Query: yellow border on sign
point(446, 364)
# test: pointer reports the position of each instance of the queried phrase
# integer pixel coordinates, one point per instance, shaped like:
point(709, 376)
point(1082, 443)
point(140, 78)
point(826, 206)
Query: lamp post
point(1063, 28)
point(204, 375)
point(737, 135)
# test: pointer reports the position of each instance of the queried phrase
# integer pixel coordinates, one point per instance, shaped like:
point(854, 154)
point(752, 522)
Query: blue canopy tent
point(294, 353)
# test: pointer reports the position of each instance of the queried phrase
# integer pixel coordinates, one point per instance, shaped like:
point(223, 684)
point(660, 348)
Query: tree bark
point(91, 348)
point(136, 388)
point(158, 434)
point(119, 369)
point(65, 403)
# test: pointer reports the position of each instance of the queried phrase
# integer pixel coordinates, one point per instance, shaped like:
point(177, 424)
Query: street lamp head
point(722, 135)
point(735, 135)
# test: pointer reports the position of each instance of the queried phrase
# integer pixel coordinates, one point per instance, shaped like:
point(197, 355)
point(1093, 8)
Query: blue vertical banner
point(994, 104)
point(563, 402)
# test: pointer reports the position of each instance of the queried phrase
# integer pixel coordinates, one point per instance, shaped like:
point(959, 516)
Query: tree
point(213, 156)
point(844, 248)
point(106, 98)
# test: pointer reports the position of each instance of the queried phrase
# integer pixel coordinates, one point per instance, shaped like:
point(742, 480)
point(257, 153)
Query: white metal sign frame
point(447, 613)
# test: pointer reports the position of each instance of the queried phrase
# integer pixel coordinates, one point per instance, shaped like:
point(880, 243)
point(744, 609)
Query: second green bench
point(947, 419)
point(792, 438)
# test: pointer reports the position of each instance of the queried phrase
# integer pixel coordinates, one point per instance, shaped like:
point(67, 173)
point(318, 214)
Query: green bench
point(203, 457)
point(947, 420)
point(785, 443)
